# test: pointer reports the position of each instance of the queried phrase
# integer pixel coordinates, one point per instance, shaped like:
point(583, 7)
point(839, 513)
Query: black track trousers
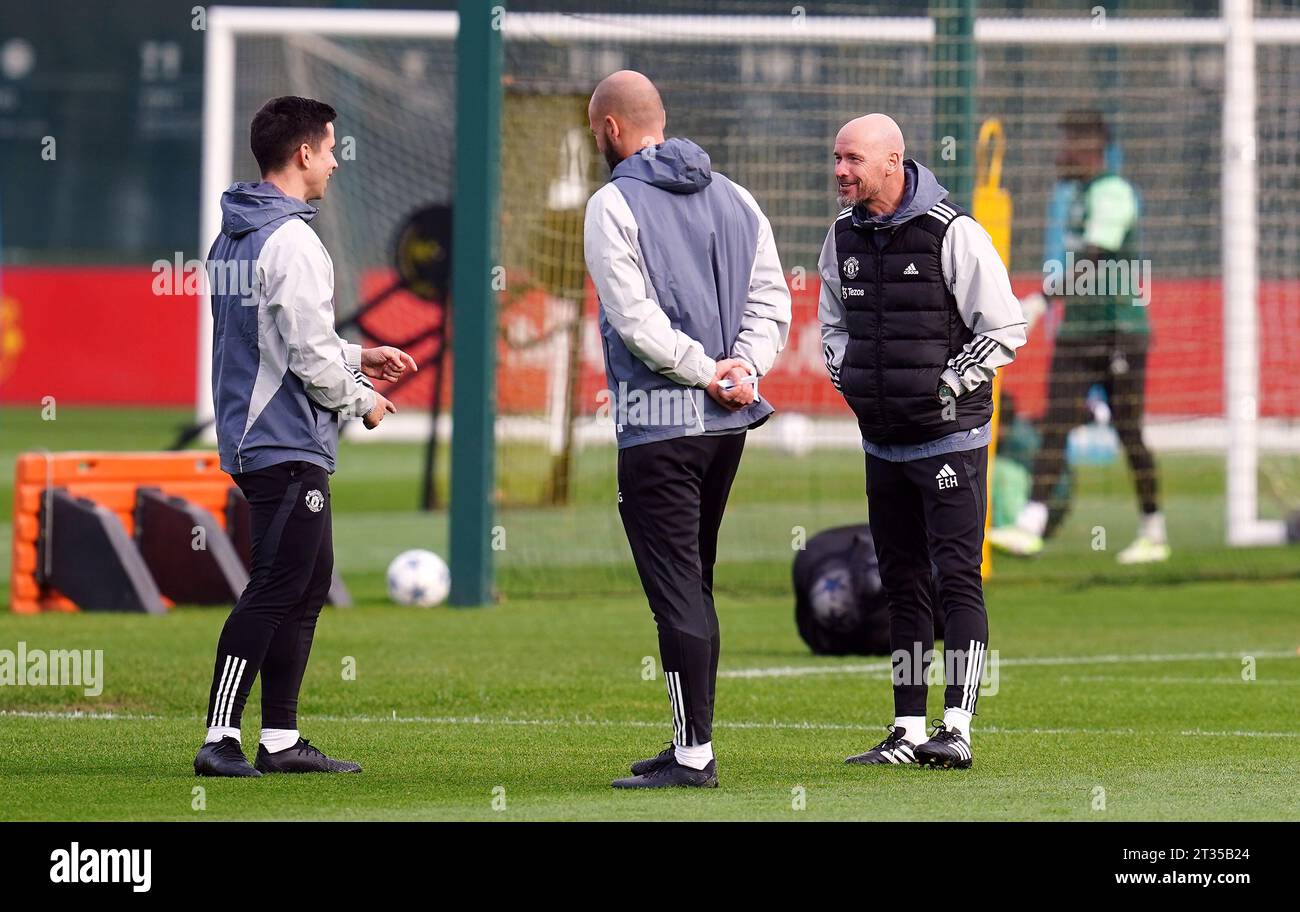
point(671, 496)
point(932, 509)
point(271, 627)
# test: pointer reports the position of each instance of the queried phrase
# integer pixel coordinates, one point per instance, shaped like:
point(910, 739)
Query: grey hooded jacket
point(686, 269)
point(282, 378)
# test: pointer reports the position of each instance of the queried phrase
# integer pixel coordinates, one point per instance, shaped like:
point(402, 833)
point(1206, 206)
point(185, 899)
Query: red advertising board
point(102, 336)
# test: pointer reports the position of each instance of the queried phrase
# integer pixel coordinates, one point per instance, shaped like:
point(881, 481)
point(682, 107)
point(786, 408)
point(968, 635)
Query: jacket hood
point(247, 206)
point(676, 165)
point(921, 190)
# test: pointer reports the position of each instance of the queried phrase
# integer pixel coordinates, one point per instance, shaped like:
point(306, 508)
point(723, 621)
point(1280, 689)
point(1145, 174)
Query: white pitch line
point(104, 716)
point(1169, 679)
point(797, 671)
point(634, 723)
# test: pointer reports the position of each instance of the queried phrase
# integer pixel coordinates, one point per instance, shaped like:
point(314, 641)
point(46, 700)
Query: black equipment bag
point(840, 607)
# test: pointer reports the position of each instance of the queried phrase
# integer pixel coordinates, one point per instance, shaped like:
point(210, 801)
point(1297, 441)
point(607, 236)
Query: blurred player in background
point(1103, 340)
point(917, 315)
point(693, 310)
point(282, 380)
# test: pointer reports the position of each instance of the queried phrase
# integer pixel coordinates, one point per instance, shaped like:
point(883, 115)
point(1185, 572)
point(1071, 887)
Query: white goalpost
point(381, 60)
point(225, 26)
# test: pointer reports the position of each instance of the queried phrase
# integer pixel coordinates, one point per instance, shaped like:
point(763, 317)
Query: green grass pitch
point(1120, 695)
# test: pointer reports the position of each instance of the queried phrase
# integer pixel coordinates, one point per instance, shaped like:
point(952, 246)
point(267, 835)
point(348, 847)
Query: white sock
point(278, 739)
point(1153, 527)
point(912, 727)
point(217, 732)
point(955, 717)
point(697, 757)
point(1033, 518)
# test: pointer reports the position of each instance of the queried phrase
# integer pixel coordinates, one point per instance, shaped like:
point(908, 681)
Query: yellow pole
point(991, 206)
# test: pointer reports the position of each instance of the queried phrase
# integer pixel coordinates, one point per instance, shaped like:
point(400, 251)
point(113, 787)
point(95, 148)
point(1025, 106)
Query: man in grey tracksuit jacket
point(282, 381)
point(282, 378)
point(694, 308)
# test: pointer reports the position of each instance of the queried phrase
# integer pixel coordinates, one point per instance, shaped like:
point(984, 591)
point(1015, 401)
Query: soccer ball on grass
point(418, 577)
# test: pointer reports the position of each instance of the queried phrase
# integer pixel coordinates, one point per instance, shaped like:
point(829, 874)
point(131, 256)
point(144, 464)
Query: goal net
point(1196, 120)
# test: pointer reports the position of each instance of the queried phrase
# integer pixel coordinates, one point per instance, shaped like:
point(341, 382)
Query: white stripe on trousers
point(221, 693)
point(672, 701)
point(223, 712)
point(674, 681)
point(966, 675)
point(974, 671)
point(234, 690)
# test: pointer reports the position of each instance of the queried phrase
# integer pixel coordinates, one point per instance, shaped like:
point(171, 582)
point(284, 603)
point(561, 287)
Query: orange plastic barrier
point(109, 479)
